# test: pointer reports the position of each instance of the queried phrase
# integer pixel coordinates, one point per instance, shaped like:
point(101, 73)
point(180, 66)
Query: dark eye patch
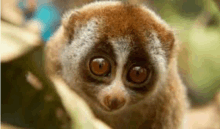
point(141, 75)
point(100, 54)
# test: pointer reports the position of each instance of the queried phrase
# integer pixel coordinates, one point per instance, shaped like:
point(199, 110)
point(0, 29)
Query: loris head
point(112, 54)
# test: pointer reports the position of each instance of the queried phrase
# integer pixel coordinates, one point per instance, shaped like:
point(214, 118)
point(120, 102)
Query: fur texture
point(125, 35)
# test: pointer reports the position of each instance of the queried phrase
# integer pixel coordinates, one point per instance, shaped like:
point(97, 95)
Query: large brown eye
point(138, 74)
point(100, 66)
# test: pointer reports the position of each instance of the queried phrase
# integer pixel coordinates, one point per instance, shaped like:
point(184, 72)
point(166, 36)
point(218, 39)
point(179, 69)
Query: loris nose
point(114, 103)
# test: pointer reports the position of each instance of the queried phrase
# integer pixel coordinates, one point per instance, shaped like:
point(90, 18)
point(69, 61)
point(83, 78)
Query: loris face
point(115, 54)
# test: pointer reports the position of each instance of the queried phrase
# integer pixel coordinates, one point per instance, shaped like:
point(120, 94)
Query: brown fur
point(137, 19)
point(140, 21)
point(166, 107)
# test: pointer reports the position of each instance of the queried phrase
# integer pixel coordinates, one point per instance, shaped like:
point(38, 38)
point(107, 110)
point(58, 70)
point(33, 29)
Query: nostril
point(114, 103)
point(107, 101)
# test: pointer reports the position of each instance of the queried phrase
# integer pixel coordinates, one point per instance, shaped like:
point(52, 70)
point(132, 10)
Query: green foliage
point(199, 33)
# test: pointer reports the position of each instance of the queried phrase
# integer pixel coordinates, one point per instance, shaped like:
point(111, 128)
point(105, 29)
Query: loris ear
point(69, 23)
point(161, 30)
point(170, 43)
point(57, 42)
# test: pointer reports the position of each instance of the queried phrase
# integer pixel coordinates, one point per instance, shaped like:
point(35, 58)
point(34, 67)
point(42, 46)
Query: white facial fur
point(122, 49)
point(84, 39)
point(158, 55)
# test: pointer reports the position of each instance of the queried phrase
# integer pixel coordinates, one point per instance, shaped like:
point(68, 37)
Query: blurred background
point(196, 23)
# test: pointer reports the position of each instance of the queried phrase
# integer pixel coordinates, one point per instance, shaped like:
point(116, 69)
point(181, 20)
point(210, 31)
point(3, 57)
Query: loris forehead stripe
point(121, 48)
